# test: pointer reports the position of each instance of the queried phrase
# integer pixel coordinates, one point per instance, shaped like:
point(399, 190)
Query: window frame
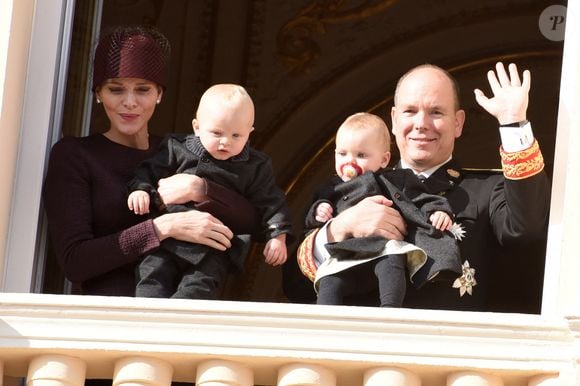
point(41, 118)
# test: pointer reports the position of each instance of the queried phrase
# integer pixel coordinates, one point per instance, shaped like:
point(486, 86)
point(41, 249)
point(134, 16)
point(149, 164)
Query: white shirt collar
point(427, 173)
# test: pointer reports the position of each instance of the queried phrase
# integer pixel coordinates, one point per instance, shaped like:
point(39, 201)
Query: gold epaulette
point(522, 164)
point(305, 256)
point(481, 171)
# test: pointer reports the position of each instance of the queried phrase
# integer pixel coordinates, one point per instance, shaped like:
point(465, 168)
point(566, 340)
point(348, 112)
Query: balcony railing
point(61, 340)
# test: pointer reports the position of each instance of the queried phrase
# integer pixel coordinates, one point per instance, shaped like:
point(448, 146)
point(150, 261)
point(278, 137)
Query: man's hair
point(452, 80)
point(359, 121)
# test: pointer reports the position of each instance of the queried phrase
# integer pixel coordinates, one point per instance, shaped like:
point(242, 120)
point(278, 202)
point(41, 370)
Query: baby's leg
point(204, 280)
point(157, 275)
point(390, 271)
point(353, 286)
point(333, 288)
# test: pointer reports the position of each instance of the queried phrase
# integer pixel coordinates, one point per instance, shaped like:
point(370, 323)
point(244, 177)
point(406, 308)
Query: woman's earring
point(98, 101)
point(158, 101)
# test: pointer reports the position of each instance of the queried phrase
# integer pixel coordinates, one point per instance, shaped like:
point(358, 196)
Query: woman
point(97, 240)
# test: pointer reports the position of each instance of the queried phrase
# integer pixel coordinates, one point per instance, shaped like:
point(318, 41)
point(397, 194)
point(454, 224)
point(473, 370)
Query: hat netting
point(132, 52)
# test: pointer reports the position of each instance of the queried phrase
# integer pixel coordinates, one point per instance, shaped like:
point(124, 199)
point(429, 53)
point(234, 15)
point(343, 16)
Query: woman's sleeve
point(231, 208)
point(68, 200)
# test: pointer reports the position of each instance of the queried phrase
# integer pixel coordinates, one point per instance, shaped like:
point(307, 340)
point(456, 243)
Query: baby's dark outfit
point(186, 270)
point(415, 204)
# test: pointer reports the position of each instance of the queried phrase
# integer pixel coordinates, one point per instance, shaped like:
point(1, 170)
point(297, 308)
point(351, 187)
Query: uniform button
point(397, 196)
point(205, 159)
point(345, 198)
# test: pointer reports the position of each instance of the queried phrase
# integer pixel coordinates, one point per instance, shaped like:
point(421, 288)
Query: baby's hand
point(138, 202)
point(323, 212)
point(275, 250)
point(441, 220)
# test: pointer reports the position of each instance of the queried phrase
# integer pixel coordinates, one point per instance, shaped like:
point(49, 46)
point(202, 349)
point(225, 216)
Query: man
point(497, 214)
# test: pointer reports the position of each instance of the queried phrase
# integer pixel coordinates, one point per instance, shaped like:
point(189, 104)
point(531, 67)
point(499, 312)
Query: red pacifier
point(350, 171)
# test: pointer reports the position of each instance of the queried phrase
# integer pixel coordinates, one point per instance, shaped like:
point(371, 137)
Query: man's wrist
point(516, 124)
point(335, 232)
point(329, 232)
point(515, 137)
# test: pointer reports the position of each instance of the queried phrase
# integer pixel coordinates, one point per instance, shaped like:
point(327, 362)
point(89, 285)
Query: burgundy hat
point(132, 52)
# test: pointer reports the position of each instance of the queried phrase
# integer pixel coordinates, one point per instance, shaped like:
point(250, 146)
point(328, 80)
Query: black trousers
point(389, 272)
point(162, 274)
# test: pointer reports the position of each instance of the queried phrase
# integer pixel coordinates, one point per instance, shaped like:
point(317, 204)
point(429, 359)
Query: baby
point(361, 156)
point(218, 150)
point(361, 148)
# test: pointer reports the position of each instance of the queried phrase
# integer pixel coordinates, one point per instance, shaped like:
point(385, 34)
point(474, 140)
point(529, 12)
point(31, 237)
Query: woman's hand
point(182, 188)
point(373, 216)
point(194, 227)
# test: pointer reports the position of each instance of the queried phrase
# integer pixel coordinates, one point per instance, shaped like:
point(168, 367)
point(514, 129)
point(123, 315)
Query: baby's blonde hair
point(361, 121)
point(226, 93)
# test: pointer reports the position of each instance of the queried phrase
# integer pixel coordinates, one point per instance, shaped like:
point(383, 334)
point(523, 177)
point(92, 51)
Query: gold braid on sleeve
point(522, 164)
point(305, 256)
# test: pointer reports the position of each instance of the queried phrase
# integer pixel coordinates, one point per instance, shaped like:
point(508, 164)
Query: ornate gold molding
point(297, 50)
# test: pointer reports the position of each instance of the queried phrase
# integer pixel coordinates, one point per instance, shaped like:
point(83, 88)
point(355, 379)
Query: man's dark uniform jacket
point(415, 205)
point(249, 173)
point(505, 220)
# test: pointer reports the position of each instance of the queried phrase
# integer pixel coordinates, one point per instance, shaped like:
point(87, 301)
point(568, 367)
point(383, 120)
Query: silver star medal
point(457, 231)
point(466, 281)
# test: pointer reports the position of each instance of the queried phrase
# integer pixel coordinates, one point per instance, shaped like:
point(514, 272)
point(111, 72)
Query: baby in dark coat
point(218, 151)
point(361, 156)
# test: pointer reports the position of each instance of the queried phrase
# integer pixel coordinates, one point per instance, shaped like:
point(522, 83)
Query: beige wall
point(15, 30)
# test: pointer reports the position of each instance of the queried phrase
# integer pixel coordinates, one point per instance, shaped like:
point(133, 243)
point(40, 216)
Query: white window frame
point(41, 119)
point(561, 284)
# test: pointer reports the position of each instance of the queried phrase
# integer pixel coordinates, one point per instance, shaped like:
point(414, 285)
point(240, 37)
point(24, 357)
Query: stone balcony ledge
point(267, 336)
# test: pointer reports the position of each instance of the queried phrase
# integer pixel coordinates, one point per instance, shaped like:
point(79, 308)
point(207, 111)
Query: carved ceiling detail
point(297, 48)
